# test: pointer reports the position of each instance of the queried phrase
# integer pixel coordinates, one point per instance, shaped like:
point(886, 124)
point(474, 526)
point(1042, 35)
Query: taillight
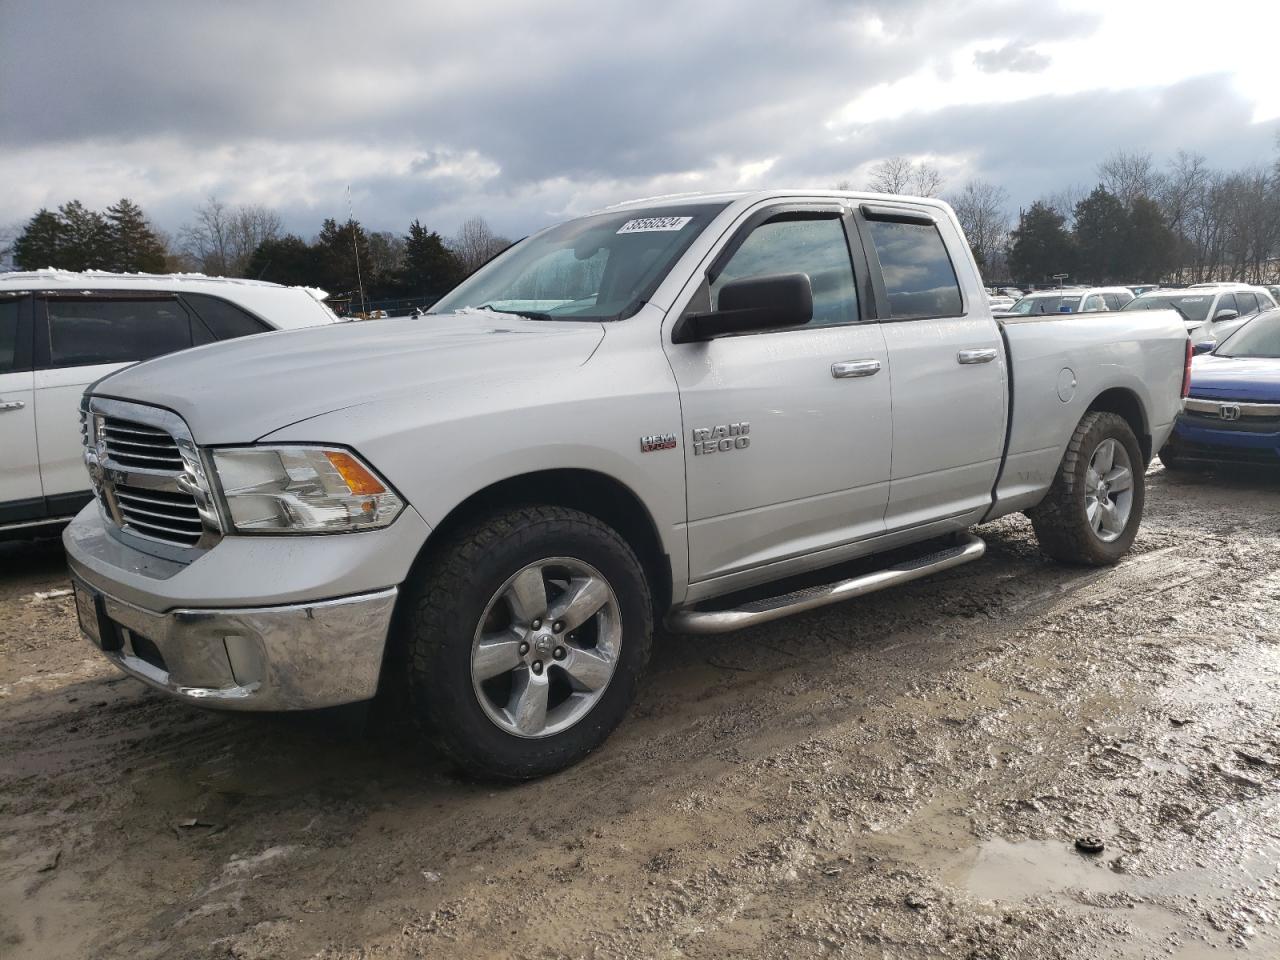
point(1186, 371)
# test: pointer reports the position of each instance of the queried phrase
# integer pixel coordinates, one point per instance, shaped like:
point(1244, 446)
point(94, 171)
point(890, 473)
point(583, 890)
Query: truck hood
point(240, 390)
point(1254, 379)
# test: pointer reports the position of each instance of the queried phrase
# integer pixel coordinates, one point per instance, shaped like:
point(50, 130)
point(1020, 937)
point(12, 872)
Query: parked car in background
point(1212, 311)
point(1000, 304)
point(633, 416)
point(1232, 412)
point(61, 331)
point(1072, 300)
point(1138, 289)
point(1274, 290)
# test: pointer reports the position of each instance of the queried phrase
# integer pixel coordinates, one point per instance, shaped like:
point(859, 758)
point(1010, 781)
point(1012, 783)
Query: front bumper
point(255, 623)
point(1194, 442)
point(296, 657)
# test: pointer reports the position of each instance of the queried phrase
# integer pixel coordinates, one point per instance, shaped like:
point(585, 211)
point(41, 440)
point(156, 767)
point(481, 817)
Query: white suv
point(1211, 311)
point(61, 331)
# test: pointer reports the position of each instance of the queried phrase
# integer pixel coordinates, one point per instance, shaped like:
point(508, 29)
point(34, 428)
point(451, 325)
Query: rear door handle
point(855, 368)
point(11, 405)
point(980, 355)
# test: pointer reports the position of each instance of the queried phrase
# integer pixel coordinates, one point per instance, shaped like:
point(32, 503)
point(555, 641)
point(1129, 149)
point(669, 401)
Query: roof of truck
point(732, 196)
point(281, 306)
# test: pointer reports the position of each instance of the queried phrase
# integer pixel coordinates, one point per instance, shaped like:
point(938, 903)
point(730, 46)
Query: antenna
point(355, 248)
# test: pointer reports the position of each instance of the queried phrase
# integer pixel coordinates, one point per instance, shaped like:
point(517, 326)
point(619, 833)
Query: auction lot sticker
point(654, 225)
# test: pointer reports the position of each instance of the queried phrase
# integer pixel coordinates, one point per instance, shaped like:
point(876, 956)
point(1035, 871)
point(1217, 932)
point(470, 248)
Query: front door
point(787, 432)
point(949, 383)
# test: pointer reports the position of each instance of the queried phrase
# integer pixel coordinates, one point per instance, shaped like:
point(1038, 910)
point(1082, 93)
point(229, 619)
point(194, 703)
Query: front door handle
point(981, 355)
point(855, 368)
point(11, 405)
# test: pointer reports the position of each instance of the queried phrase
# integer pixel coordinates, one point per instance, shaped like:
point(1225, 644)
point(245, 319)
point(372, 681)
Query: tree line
point(1180, 222)
point(249, 240)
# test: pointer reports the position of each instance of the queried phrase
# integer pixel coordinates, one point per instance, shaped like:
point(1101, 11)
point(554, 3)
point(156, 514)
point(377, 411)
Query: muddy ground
point(901, 776)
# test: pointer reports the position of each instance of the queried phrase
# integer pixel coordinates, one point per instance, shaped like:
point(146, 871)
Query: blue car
point(1232, 413)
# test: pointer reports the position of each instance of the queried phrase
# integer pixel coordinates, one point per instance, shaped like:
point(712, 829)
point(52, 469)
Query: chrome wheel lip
point(1109, 485)
point(538, 661)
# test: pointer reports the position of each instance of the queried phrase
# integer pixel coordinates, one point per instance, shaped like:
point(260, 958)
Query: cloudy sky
point(527, 112)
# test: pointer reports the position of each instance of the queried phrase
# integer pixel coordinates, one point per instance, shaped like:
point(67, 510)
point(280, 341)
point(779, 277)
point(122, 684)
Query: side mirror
point(757, 303)
point(1222, 315)
point(1203, 346)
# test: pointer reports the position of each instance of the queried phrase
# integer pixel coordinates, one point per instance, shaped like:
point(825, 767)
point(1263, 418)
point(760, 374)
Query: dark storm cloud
point(521, 112)
point(1011, 57)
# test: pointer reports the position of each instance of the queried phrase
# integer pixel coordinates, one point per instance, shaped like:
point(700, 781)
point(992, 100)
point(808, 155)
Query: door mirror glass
point(754, 304)
point(1222, 315)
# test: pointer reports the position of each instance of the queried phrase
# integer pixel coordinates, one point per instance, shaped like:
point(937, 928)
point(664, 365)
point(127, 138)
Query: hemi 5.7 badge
point(657, 441)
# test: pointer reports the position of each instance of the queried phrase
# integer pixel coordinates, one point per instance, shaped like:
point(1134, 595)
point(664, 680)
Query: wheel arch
point(598, 494)
point(1127, 404)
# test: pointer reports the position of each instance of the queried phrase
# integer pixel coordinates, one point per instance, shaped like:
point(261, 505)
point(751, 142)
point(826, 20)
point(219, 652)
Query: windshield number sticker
point(654, 225)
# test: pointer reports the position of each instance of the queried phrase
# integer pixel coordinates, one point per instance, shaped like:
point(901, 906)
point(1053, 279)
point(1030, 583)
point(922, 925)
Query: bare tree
point(900, 175)
point(7, 235)
point(386, 255)
point(926, 181)
point(1128, 176)
point(982, 209)
point(222, 239)
point(475, 243)
point(891, 176)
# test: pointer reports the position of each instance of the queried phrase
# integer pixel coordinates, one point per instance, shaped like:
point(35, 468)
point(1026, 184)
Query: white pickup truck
point(702, 410)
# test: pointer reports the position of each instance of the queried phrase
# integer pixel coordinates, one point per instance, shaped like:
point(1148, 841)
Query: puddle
point(1011, 872)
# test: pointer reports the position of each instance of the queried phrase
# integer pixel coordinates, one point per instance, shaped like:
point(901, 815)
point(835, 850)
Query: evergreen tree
point(1040, 246)
point(337, 249)
point(430, 268)
point(135, 247)
point(288, 259)
point(86, 238)
point(1102, 236)
point(1152, 250)
point(39, 244)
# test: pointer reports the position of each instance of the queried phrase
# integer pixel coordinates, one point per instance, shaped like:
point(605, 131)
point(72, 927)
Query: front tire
point(527, 635)
point(1092, 512)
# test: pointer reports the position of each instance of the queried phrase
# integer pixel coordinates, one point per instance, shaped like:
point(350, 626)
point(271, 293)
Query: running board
point(755, 612)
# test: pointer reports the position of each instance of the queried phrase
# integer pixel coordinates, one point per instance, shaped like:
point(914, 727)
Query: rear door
point(20, 492)
point(948, 368)
point(787, 432)
point(79, 340)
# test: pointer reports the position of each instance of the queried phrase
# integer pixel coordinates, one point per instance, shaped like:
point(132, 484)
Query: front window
point(1195, 307)
point(1257, 338)
point(1034, 306)
point(601, 267)
point(812, 244)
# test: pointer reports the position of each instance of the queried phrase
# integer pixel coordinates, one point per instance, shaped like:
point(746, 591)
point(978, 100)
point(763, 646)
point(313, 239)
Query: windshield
point(1037, 305)
point(601, 267)
point(1195, 307)
point(1259, 337)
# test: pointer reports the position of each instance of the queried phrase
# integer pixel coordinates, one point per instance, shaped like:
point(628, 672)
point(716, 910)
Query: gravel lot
point(901, 776)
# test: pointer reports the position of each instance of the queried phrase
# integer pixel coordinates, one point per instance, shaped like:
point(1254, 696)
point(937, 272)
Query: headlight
point(302, 490)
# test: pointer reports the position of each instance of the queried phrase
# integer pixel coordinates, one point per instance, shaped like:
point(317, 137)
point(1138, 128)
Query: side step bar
point(755, 612)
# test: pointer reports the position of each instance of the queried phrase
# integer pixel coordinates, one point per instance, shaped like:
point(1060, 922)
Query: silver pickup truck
point(711, 411)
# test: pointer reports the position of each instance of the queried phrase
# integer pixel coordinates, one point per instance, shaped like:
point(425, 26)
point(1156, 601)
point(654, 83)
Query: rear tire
point(471, 612)
point(1092, 512)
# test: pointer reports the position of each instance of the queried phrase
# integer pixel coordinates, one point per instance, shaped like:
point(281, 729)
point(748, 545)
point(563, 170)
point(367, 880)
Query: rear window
point(8, 334)
point(86, 332)
point(918, 276)
point(225, 320)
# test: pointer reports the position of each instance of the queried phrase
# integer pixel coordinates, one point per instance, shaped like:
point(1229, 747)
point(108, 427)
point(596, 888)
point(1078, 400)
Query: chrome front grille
point(173, 517)
point(133, 444)
point(148, 474)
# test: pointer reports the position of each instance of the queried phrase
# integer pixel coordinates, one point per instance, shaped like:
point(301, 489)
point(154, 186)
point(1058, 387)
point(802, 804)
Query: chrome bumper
point(296, 657)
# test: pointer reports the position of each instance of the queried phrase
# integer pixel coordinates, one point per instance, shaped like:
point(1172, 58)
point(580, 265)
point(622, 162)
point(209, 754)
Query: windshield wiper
point(527, 314)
